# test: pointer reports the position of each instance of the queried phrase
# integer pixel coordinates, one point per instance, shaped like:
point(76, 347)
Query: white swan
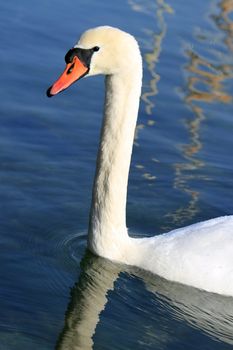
point(199, 255)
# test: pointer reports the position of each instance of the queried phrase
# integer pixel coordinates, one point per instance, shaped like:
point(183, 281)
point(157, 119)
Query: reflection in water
point(158, 9)
point(205, 83)
point(224, 22)
point(151, 58)
point(211, 313)
point(88, 299)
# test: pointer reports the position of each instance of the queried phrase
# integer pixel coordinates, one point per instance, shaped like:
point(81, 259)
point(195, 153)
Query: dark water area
point(54, 294)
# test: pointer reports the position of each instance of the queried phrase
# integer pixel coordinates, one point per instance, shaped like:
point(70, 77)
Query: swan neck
point(108, 212)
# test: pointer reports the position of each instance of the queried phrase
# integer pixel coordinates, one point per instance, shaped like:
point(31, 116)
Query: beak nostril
point(70, 69)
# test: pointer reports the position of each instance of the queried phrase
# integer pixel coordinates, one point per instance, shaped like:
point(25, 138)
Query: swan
point(199, 255)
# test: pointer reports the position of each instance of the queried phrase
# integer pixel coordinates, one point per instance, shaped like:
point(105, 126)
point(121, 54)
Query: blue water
point(181, 172)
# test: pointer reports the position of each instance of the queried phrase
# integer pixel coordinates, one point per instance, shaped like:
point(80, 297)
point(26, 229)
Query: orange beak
point(74, 71)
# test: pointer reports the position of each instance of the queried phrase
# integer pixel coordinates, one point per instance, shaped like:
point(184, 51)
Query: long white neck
point(107, 225)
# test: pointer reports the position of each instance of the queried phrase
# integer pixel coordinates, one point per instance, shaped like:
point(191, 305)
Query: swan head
point(101, 50)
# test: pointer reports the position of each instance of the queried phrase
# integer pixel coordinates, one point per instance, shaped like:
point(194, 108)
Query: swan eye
point(96, 48)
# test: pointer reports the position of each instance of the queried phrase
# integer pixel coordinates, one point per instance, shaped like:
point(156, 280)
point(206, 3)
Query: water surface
point(53, 292)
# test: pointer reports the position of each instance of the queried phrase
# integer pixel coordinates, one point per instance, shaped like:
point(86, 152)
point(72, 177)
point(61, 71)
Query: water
point(181, 172)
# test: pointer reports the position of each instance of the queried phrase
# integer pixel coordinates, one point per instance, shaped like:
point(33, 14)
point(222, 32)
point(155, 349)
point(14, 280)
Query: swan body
point(200, 255)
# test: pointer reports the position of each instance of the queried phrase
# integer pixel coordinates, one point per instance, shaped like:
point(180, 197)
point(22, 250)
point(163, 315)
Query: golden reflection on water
point(151, 58)
point(205, 83)
point(158, 9)
point(224, 22)
point(211, 75)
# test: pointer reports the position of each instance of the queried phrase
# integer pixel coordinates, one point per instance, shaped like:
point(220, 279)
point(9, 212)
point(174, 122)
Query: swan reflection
point(88, 298)
point(210, 313)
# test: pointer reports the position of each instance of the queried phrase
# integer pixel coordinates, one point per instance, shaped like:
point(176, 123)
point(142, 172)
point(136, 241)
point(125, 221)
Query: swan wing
point(200, 255)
